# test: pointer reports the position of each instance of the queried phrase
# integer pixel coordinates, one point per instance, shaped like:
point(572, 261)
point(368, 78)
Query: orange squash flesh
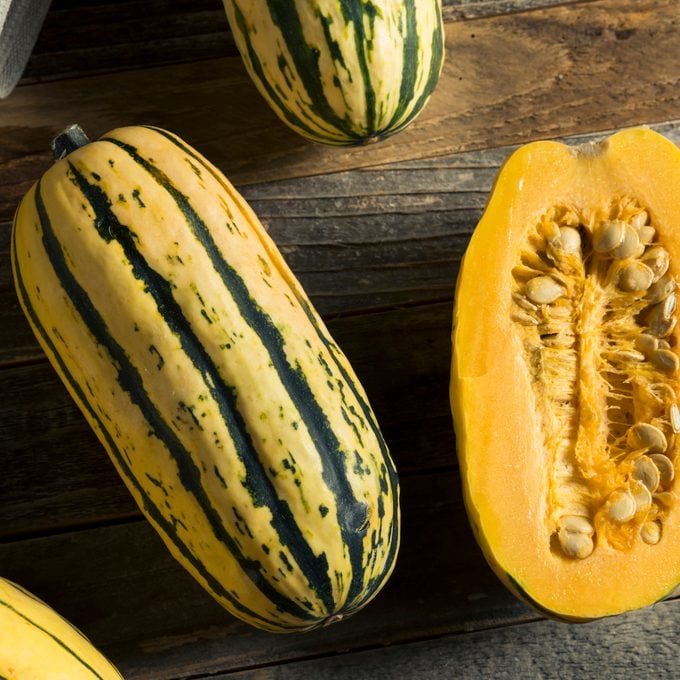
point(507, 470)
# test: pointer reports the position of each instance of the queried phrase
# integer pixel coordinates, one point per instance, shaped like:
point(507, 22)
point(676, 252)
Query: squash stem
point(69, 140)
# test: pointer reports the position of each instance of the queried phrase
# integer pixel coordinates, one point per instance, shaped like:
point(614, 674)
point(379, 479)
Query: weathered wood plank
point(121, 587)
point(70, 43)
point(39, 423)
point(584, 58)
point(459, 10)
point(639, 645)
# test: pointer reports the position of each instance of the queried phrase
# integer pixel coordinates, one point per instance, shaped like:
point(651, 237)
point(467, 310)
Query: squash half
point(565, 375)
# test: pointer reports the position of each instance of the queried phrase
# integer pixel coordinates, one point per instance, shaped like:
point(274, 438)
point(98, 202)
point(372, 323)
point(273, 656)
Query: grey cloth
point(20, 22)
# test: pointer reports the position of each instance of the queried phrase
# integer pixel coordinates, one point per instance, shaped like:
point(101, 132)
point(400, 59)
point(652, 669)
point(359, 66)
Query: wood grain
point(507, 79)
point(70, 43)
point(628, 647)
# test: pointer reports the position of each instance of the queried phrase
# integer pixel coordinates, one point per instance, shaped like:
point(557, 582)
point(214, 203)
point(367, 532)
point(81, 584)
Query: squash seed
point(662, 392)
point(647, 472)
point(629, 245)
point(635, 277)
point(575, 536)
point(661, 289)
point(560, 312)
point(621, 506)
point(646, 436)
point(658, 260)
point(674, 417)
point(524, 318)
point(650, 532)
point(576, 524)
point(662, 327)
point(639, 220)
point(576, 544)
point(665, 467)
point(608, 236)
point(628, 355)
point(570, 240)
point(642, 497)
point(543, 290)
point(665, 360)
point(664, 498)
point(524, 303)
point(646, 343)
point(665, 308)
point(647, 234)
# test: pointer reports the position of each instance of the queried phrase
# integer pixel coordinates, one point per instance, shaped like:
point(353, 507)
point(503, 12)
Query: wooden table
point(376, 236)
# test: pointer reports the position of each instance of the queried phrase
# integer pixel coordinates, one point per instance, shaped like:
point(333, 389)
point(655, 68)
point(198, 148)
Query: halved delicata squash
point(565, 375)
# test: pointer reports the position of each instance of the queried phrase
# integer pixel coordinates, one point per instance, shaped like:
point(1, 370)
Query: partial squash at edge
point(341, 73)
point(36, 642)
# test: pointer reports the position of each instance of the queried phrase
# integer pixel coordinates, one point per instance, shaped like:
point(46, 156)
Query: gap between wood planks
point(359, 649)
point(534, 647)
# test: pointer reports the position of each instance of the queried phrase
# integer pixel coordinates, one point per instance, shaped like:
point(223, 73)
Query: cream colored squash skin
point(231, 414)
point(551, 390)
point(38, 644)
point(341, 72)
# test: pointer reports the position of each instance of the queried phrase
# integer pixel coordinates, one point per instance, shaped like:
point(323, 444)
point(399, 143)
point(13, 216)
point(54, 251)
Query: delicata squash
point(36, 643)
point(231, 414)
point(565, 378)
point(341, 72)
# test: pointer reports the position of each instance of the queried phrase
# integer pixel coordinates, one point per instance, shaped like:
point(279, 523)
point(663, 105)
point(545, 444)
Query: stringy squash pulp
point(565, 375)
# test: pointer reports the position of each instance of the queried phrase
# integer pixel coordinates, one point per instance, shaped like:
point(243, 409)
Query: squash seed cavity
point(594, 301)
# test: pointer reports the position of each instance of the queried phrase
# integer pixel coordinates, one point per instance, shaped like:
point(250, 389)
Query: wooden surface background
point(375, 236)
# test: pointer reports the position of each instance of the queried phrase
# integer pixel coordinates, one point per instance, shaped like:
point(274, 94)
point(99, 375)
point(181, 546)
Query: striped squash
point(37, 643)
point(230, 413)
point(341, 72)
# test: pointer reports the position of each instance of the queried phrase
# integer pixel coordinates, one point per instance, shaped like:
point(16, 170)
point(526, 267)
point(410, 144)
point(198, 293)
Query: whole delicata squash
point(231, 414)
point(341, 72)
point(565, 377)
